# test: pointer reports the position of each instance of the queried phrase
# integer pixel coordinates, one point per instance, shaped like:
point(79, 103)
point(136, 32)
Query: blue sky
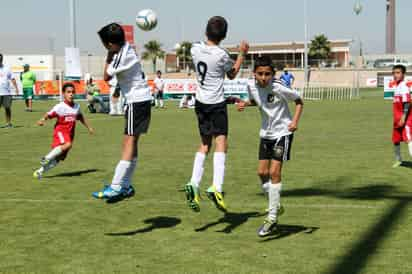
point(267, 21)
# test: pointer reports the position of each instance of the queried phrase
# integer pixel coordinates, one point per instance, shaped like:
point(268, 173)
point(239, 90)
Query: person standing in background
point(287, 78)
point(28, 79)
point(158, 89)
point(6, 76)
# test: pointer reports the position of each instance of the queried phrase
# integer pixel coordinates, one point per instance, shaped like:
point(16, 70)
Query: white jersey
point(211, 64)
point(273, 104)
point(127, 68)
point(159, 84)
point(5, 77)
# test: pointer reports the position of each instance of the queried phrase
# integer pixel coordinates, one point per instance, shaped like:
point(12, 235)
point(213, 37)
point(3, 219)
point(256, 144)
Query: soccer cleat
point(192, 197)
point(217, 198)
point(44, 162)
point(37, 174)
point(397, 164)
point(107, 193)
point(129, 192)
point(267, 228)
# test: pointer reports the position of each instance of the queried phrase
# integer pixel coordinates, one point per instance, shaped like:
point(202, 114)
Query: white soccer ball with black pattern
point(146, 20)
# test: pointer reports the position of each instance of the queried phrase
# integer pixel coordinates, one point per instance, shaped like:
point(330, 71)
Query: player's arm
point(86, 124)
point(46, 116)
point(13, 81)
point(406, 102)
point(296, 117)
point(243, 50)
point(109, 59)
point(244, 104)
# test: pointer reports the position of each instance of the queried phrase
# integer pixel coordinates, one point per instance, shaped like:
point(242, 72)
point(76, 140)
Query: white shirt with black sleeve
point(127, 68)
point(273, 105)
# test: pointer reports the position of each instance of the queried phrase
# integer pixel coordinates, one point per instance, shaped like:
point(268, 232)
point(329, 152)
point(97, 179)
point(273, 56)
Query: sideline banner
point(189, 86)
point(389, 86)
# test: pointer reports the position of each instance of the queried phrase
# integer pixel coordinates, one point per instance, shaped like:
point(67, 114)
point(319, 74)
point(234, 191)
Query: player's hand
point(241, 106)
point(293, 127)
point(402, 122)
point(91, 131)
point(40, 123)
point(244, 47)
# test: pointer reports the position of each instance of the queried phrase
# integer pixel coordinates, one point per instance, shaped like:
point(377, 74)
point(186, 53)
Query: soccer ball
point(146, 20)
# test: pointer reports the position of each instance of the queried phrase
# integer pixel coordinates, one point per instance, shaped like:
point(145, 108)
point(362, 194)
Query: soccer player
point(158, 89)
point(6, 76)
point(66, 113)
point(28, 79)
point(276, 133)
point(402, 120)
point(123, 62)
point(287, 78)
point(212, 63)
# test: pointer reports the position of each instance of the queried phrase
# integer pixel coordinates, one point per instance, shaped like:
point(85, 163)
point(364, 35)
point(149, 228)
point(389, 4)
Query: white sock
point(156, 103)
point(274, 200)
point(161, 103)
point(129, 174)
point(265, 187)
point(410, 148)
point(120, 174)
point(54, 153)
point(397, 150)
point(50, 165)
point(198, 168)
point(219, 159)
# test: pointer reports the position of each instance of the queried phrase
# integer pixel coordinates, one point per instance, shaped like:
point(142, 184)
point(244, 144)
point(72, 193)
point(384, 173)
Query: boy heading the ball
point(212, 63)
point(66, 113)
point(402, 120)
point(123, 62)
point(276, 133)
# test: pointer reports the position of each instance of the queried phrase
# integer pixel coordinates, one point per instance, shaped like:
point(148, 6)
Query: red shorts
point(402, 134)
point(61, 137)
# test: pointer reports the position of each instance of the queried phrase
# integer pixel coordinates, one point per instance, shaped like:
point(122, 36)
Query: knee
point(67, 146)
point(204, 148)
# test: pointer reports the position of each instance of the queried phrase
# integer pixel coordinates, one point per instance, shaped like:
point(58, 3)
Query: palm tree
point(153, 51)
point(183, 53)
point(319, 48)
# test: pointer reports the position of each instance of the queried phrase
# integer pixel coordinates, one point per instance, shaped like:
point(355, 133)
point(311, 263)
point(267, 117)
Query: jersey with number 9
point(211, 64)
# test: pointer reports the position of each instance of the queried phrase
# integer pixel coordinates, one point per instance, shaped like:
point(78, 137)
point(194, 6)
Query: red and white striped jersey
point(401, 95)
point(67, 114)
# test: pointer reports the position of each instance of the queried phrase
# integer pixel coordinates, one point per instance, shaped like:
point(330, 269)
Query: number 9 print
point(202, 70)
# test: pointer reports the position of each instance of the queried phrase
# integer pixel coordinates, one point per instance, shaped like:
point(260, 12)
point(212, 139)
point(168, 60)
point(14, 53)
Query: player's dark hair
point(68, 85)
point(216, 29)
point(400, 67)
point(1, 57)
point(264, 61)
point(112, 33)
point(158, 72)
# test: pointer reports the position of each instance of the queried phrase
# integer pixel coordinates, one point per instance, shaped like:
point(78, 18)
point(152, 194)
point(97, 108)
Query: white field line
point(148, 202)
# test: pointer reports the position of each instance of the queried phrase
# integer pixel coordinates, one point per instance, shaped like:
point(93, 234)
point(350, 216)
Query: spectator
point(6, 76)
point(28, 79)
point(287, 78)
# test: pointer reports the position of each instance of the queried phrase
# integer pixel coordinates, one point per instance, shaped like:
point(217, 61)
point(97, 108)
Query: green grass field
point(347, 210)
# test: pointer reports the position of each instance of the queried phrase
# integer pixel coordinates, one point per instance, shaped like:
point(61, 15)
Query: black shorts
point(212, 119)
point(278, 149)
point(137, 118)
point(159, 95)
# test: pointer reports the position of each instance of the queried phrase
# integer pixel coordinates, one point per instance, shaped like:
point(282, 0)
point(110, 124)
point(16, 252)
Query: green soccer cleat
point(397, 164)
point(192, 197)
point(37, 174)
point(217, 198)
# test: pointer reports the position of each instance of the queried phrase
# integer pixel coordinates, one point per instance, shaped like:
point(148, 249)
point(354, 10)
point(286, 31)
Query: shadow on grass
point(283, 231)
point(233, 220)
point(154, 223)
point(73, 174)
point(355, 260)
point(406, 164)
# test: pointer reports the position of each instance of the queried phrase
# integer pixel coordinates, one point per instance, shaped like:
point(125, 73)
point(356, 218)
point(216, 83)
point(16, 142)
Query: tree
point(319, 48)
point(183, 53)
point(153, 51)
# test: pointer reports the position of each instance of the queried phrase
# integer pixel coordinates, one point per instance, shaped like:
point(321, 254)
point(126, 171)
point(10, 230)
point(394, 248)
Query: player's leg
point(281, 152)
point(161, 102)
point(61, 147)
point(264, 164)
point(192, 188)
point(219, 129)
point(137, 123)
point(7, 102)
point(408, 138)
point(396, 140)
